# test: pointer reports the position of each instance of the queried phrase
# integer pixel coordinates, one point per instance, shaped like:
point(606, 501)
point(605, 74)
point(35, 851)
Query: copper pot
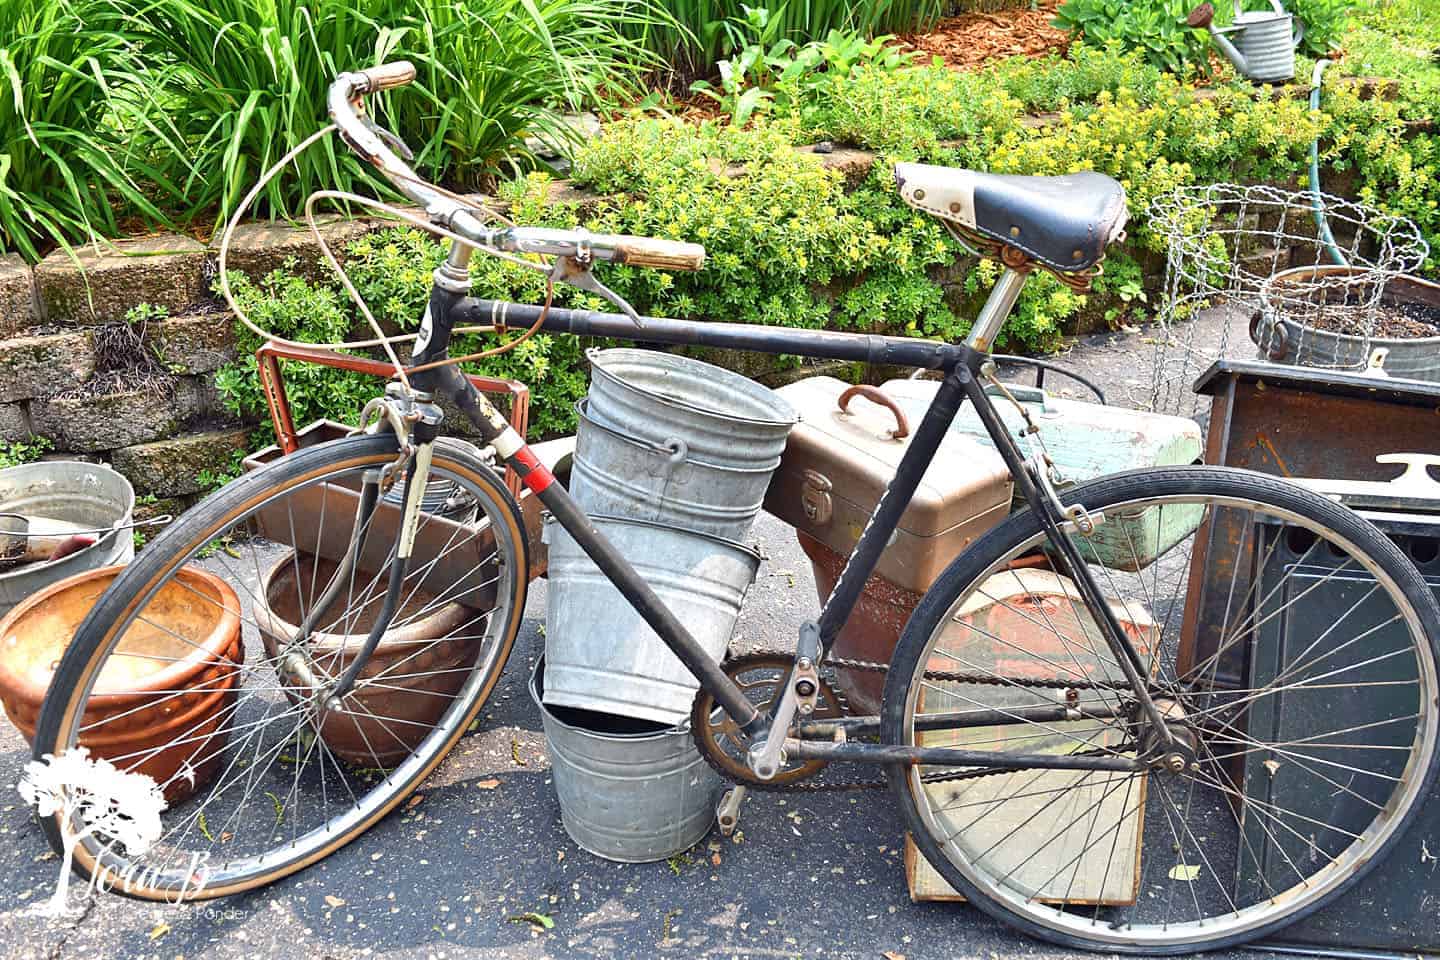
point(127, 716)
point(383, 723)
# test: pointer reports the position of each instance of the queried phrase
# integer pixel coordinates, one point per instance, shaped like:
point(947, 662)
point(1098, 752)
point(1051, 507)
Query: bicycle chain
point(871, 666)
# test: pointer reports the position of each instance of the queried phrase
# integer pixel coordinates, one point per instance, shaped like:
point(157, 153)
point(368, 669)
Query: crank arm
point(802, 685)
point(952, 757)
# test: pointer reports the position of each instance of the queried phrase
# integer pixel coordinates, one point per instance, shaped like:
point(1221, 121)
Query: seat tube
point(996, 310)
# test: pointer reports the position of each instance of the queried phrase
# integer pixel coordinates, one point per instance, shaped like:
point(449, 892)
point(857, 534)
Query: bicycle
point(1087, 732)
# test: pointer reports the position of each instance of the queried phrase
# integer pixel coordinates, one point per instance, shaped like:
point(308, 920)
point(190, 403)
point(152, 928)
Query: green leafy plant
point(294, 308)
point(213, 478)
point(1325, 23)
point(766, 68)
point(1154, 28)
point(15, 452)
point(703, 32)
point(75, 155)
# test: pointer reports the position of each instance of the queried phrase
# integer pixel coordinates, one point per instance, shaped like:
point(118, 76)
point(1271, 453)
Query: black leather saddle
point(1064, 223)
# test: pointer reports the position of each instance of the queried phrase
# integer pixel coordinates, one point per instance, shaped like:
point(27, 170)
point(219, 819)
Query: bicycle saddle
point(1064, 223)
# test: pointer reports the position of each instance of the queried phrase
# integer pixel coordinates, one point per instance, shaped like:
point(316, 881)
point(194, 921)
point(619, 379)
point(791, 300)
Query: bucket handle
point(902, 426)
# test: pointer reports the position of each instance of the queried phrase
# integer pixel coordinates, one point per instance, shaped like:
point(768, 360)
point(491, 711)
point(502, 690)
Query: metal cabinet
point(1397, 906)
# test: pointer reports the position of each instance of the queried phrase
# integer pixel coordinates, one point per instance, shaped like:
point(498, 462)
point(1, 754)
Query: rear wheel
point(1292, 650)
point(194, 670)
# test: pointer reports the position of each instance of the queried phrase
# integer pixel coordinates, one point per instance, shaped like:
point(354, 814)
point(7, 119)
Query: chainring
point(718, 737)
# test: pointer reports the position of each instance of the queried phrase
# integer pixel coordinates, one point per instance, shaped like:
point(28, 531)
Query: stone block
point(14, 425)
point(98, 284)
point(258, 248)
point(168, 468)
point(194, 344)
point(108, 421)
point(198, 398)
point(41, 366)
point(17, 306)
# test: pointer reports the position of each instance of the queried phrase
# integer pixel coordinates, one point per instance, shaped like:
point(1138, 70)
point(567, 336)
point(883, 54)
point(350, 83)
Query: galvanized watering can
point(1265, 40)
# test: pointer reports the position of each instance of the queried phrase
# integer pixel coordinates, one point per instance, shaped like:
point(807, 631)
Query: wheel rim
point(273, 794)
point(1205, 897)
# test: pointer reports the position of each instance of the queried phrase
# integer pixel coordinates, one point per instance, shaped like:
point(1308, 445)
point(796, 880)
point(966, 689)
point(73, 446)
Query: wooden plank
point(1059, 835)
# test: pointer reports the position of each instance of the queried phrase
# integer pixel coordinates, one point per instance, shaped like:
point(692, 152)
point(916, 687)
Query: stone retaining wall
point(161, 436)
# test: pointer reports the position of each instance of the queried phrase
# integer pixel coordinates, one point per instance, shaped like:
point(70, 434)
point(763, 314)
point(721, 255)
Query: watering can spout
point(1202, 18)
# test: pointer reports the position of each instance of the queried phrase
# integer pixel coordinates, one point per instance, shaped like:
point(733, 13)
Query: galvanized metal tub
point(619, 476)
point(86, 493)
point(629, 790)
point(603, 655)
point(724, 418)
point(1283, 339)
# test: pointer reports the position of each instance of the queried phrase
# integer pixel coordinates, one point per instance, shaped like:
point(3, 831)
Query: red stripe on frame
point(532, 471)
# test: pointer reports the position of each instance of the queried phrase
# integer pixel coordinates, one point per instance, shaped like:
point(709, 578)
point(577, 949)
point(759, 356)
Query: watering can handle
point(1280, 9)
point(1240, 7)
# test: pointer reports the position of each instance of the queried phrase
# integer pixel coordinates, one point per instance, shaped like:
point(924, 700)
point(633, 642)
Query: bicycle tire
point(951, 840)
point(124, 603)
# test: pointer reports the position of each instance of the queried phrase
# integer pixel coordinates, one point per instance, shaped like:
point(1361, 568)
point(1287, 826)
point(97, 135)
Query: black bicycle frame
point(960, 365)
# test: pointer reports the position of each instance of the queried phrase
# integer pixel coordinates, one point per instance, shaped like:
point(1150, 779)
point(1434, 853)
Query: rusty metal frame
point(272, 381)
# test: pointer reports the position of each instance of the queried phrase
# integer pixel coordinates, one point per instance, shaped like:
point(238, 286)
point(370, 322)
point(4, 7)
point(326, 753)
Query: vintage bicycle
point(1106, 777)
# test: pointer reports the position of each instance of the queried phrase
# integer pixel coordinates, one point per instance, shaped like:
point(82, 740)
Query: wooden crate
point(1074, 867)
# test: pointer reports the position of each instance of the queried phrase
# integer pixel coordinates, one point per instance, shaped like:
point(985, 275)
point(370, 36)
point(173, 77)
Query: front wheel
point(1290, 647)
point(205, 669)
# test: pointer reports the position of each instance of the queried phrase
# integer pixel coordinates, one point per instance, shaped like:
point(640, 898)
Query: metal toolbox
point(1392, 908)
point(1088, 440)
point(844, 452)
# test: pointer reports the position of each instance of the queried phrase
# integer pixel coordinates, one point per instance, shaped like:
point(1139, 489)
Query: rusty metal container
point(874, 626)
point(843, 454)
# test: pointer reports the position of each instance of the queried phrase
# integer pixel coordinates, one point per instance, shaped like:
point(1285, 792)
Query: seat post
point(997, 309)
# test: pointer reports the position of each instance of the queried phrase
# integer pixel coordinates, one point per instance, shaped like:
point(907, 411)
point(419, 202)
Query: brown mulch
point(971, 39)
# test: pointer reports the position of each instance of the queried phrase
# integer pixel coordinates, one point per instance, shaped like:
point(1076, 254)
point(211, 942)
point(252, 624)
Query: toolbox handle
point(874, 395)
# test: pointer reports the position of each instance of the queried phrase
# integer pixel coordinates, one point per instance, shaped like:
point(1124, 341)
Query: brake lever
point(577, 273)
point(391, 140)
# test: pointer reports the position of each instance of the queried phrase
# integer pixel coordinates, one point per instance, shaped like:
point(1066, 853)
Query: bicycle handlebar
point(346, 106)
point(387, 75)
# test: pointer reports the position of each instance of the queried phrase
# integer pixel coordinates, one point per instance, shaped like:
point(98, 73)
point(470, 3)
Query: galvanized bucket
point(724, 418)
point(629, 790)
point(90, 494)
point(603, 655)
point(1286, 338)
point(619, 476)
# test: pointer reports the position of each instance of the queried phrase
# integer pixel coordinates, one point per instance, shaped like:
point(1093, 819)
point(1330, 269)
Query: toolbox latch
point(815, 497)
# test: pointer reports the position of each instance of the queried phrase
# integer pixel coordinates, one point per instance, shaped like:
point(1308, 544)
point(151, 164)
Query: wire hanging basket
point(1313, 279)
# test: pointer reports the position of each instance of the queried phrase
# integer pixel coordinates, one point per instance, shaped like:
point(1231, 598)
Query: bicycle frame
point(961, 366)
